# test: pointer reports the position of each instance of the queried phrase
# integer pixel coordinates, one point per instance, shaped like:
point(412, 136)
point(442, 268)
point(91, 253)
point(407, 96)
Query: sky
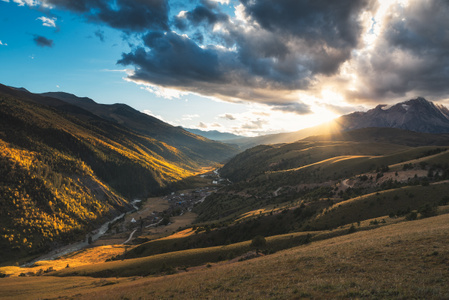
point(249, 67)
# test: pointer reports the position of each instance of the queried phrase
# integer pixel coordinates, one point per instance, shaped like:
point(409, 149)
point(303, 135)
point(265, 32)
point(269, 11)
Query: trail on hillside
point(130, 237)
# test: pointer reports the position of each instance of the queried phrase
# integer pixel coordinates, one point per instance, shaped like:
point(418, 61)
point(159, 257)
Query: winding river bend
point(96, 234)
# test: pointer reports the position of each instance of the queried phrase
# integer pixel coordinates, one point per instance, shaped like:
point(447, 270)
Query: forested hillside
point(194, 146)
point(64, 170)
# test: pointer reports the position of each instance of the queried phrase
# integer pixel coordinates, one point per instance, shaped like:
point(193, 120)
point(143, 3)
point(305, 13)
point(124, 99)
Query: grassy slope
point(260, 171)
point(405, 260)
point(302, 163)
point(396, 201)
point(368, 141)
point(345, 166)
point(315, 215)
point(158, 263)
point(262, 159)
point(327, 157)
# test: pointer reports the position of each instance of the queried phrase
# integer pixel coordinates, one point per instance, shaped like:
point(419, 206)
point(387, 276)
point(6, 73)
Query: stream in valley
point(96, 234)
point(177, 200)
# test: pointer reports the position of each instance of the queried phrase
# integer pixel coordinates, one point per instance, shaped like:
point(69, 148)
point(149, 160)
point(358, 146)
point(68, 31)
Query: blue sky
point(245, 67)
point(79, 62)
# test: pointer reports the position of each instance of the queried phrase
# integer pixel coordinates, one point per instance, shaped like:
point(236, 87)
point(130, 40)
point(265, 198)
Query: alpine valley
point(68, 165)
point(354, 208)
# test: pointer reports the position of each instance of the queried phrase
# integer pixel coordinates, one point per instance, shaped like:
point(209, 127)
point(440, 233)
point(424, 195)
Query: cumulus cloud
point(150, 113)
point(265, 53)
point(48, 22)
point(25, 2)
point(159, 91)
point(229, 117)
point(255, 124)
point(3, 44)
point(208, 126)
point(42, 41)
point(190, 117)
point(213, 3)
point(293, 107)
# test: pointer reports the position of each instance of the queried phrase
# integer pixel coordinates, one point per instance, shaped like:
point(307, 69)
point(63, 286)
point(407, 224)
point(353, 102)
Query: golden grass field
point(83, 257)
point(176, 222)
point(399, 261)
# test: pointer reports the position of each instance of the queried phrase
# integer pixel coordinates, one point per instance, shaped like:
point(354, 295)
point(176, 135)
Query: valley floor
point(398, 261)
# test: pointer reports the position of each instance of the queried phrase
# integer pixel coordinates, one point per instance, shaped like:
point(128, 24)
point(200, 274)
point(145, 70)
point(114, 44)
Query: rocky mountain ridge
point(418, 115)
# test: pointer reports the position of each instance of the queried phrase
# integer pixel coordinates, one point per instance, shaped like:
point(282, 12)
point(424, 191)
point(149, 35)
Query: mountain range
point(419, 115)
point(69, 163)
point(215, 134)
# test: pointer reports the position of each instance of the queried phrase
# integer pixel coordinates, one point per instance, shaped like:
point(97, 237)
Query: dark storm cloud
point(42, 41)
point(200, 14)
point(209, 4)
point(174, 60)
point(99, 34)
point(270, 49)
point(282, 46)
point(329, 29)
point(293, 107)
point(332, 22)
point(198, 37)
point(132, 15)
point(411, 57)
point(279, 45)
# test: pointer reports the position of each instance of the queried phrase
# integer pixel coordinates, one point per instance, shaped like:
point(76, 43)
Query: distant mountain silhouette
point(418, 115)
point(214, 134)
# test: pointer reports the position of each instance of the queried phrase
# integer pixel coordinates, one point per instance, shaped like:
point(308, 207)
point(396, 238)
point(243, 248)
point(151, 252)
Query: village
point(159, 216)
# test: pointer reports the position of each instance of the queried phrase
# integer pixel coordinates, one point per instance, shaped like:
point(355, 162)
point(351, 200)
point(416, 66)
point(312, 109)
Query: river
point(96, 234)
